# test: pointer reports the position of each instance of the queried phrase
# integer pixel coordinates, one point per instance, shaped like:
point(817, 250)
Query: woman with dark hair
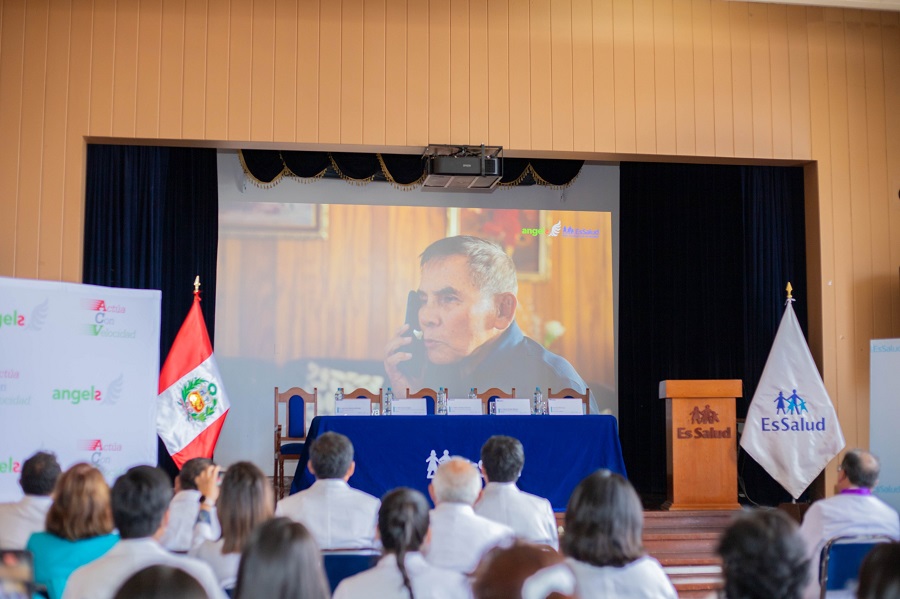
point(245, 501)
point(78, 529)
point(402, 572)
point(763, 557)
point(504, 572)
point(604, 523)
point(161, 582)
point(281, 561)
point(879, 574)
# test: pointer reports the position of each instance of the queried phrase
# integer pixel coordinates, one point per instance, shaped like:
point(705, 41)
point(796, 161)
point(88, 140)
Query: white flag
point(792, 429)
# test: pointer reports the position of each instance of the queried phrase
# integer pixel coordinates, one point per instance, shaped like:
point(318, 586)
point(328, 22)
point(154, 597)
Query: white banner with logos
point(79, 375)
point(884, 414)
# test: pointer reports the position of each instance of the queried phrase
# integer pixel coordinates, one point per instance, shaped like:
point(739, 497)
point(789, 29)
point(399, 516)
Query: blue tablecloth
point(395, 451)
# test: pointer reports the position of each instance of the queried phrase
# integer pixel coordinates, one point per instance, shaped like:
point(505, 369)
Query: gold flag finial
point(197, 284)
point(789, 290)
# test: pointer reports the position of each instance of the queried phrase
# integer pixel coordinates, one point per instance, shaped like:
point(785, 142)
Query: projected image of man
point(467, 294)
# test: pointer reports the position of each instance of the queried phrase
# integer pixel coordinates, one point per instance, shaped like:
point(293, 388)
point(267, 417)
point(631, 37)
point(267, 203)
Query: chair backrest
point(343, 564)
point(430, 395)
point(294, 401)
point(374, 398)
point(569, 392)
point(491, 394)
point(841, 558)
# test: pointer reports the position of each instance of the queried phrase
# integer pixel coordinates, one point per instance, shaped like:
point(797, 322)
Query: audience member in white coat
point(402, 572)
point(20, 519)
point(852, 511)
point(459, 536)
point(185, 507)
point(604, 523)
point(337, 515)
point(530, 516)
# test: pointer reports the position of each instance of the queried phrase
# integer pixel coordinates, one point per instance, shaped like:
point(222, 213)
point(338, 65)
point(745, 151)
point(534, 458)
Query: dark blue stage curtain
point(151, 222)
point(705, 254)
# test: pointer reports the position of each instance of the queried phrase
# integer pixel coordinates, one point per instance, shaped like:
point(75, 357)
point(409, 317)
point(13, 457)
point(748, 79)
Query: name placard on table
point(565, 406)
point(464, 406)
point(513, 406)
point(353, 407)
point(414, 406)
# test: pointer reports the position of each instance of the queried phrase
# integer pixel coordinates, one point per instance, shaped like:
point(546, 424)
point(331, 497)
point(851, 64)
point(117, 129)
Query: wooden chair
point(374, 398)
point(429, 394)
point(493, 393)
point(288, 446)
point(568, 392)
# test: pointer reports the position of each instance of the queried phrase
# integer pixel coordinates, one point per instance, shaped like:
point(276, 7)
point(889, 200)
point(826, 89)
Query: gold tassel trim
point(257, 182)
point(395, 184)
point(541, 181)
point(520, 178)
point(351, 181)
point(317, 177)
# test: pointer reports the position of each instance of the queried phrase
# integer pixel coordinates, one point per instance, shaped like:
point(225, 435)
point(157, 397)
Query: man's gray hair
point(456, 481)
point(491, 269)
point(861, 467)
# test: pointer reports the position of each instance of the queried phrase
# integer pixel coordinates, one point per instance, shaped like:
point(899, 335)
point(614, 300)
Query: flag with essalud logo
point(192, 404)
point(792, 429)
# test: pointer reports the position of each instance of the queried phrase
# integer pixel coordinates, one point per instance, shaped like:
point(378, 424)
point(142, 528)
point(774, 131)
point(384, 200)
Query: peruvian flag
point(192, 404)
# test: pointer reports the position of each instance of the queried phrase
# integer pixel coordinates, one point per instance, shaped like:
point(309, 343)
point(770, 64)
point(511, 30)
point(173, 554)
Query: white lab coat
point(337, 515)
point(530, 516)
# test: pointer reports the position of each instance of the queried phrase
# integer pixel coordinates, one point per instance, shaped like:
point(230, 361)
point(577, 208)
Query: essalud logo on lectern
point(705, 416)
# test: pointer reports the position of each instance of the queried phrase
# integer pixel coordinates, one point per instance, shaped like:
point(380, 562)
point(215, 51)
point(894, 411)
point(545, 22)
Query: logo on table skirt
point(199, 399)
point(794, 414)
point(433, 462)
point(705, 416)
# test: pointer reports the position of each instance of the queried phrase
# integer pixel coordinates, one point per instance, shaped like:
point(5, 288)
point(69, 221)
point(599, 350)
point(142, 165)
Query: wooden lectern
point(701, 443)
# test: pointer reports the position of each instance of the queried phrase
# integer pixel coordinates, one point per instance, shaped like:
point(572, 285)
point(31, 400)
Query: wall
point(662, 79)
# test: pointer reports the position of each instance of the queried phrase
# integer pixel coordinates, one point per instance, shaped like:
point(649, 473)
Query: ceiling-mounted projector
point(463, 168)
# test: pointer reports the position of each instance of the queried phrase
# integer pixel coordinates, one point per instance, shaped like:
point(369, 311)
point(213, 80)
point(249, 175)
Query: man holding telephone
point(461, 330)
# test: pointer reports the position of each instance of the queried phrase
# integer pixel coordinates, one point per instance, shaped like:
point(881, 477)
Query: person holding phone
point(468, 333)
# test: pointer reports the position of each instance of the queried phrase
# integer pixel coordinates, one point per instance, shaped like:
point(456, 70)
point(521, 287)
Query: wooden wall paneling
point(459, 68)
point(664, 73)
point(798, 48)
point(53, 144)
point(218, 57)
point(685, 101)
point(146, 112)
point(262, 74)
point(78, 114)
point(374, 107)
point(761, 80)
point(102, 56)
point(890, 35)
point(351, 72)
point(439, 72)
point(704, 83)
point(498, 59)
point(779, 60)
point(645, 104)
point(582, 76)
point(624, 70)
point(884, 279)
point(12, 58)
point(602, 42)
point(395, 72)
point(722, 78)
point(309, 67)
point(193, 111)
point(284, 115)
point(742, 79)
point(30, 166)
point(330, 63)
point(124, 106)
point(417, 75)
point(520, 105)
point(171, 69)
point(479, 74)
point(562, 75)
point(542, 108)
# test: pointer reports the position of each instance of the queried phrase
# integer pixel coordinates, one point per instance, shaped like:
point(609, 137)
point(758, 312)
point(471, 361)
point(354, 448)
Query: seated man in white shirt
point(185, 507)
point(459, 536)
point(338, 516)
point(20, 519)
point(530, 516)
point(140, 501)
point(852, 511)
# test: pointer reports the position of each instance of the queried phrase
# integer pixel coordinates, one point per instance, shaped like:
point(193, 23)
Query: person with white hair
point(459, 537)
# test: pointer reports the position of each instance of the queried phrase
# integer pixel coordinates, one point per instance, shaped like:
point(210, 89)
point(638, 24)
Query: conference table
point(404, 451)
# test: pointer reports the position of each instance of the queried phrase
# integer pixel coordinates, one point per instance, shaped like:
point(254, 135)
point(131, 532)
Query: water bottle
point(339, 394)
point(387, 407)
point(472, 393)
point(441, 407)
point(537, 403)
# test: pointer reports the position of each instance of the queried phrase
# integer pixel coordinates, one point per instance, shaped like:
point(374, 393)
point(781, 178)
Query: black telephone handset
point(414, 366)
